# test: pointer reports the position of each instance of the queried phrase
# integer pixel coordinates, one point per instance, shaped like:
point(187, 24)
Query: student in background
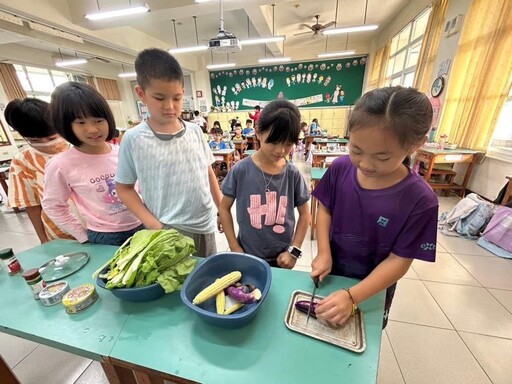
point(29, 117)
point(169, 158)
point(248, 130)
point(238, 132)
point(200, 121)
point(267, 189)
point(256, 115)
point(315, 127)
point(217, 142)
point(86, 171)
point(375, 215)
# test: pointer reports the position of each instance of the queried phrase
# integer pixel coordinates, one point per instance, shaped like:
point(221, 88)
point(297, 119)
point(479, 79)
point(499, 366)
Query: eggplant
point(303, 306)
point(242, 295)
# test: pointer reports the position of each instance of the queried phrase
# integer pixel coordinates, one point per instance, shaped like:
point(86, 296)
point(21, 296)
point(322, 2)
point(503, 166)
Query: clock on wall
point(437, 86)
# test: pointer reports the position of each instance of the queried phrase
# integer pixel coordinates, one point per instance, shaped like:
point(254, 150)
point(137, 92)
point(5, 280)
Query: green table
point(330, 141)
point(164, 339)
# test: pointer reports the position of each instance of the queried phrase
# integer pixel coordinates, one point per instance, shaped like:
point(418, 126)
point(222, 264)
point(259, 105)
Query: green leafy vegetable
point(149, 256)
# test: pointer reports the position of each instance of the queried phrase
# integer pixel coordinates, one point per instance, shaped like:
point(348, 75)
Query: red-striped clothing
point(26, 180)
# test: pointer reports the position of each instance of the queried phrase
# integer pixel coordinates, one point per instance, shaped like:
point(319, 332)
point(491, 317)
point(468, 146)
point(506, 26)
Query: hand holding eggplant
point(335, 308)
point(285, 260)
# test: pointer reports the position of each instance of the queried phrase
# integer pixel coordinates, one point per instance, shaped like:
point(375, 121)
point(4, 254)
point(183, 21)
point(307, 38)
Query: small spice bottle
point(34, 281)
point(10, 261)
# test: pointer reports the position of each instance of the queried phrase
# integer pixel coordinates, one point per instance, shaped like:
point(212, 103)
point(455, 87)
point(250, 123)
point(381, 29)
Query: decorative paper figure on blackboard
point(342, 95)
point(293, 79)
point(281, 68)
point(320, 79)
point(339, 66)
point(322, 67)
point(234, 90)
point(259, 81)
point(217, 100)
point(219, 90)
point(264, 82)
point(214, 90)
point(354, 63)
point(241, 72)
point(270, 83)
point(314, 77)
point(237, 87)
point(237, 104)
point(310, 67)
point(288, 81)
point(247, 73)
point(280, 95)
point(362, 61)
point(327, 81)
point(254, 71)
point(248, 83)
point(328, 97)
point(223, 100)
point(254, 82)
point(242, 85)
point(303, 77)
point(287, 69)
point(300, 66)
point(308, 78)
point(224, 89)
point(336, 94)
point(212, 76)
point(347, 65)
point(298, 77)
point(275, 68)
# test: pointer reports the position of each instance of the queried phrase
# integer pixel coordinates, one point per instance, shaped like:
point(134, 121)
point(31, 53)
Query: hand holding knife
point(315, 281)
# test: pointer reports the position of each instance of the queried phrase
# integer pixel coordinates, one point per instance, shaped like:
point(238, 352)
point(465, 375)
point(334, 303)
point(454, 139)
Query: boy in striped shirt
point(26, 174)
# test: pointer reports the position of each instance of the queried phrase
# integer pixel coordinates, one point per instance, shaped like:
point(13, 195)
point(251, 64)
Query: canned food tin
point(80, 298)
point(53, 293)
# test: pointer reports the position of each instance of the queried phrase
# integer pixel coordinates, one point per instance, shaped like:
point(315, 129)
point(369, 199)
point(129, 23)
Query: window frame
point(502, 152)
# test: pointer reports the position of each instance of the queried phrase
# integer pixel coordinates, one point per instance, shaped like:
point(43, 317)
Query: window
point(405, 51)
point(501, 143)
point(40, 82)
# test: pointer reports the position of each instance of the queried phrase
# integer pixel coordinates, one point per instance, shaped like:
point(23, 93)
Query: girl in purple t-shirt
point(375, 214)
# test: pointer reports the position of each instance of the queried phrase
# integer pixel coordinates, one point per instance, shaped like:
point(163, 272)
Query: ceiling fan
point(315, 28)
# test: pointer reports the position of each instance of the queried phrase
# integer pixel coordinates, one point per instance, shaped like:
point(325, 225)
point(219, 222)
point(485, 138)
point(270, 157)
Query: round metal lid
point(63, 265)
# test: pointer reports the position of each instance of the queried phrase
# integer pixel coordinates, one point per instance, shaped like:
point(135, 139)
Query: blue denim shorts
point(111, 238)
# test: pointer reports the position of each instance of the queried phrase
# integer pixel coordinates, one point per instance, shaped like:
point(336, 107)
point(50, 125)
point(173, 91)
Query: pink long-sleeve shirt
point(89, 181)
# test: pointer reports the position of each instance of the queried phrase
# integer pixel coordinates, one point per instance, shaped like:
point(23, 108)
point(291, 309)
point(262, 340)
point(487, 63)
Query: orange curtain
point(379, 66)
point(481, 74)
point(90, 81)
point(430, 46)
point(10, 82)
point(108, 88)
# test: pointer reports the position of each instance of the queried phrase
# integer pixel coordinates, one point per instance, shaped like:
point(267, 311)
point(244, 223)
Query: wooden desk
point(240, 146)
point(225, 155)
point(432, 156)
point(324, 142)
point(249, 152)
point(252, 142)
point(319, 156)
point(316, 175)
point(508, 192)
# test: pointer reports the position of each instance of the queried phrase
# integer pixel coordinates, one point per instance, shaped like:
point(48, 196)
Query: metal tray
point(350, 336)
point(51, 271)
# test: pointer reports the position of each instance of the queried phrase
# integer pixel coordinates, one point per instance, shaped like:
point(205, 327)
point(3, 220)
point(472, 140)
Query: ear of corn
point(233, 308)
point(217, 286)
point(221, 302)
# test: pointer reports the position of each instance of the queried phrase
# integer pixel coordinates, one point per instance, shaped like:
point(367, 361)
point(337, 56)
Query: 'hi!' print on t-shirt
point(274, 215)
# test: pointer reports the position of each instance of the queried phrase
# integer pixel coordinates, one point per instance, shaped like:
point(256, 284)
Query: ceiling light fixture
point(195, 48)
point(334, 54)
point(359, 28)
point(218, 66)
point(69, 63)
point(261, 40)
point(126, 74)
point(117, 13)
point(274, 60)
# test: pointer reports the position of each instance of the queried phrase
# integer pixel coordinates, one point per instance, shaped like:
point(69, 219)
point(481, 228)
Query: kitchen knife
point(315, 281)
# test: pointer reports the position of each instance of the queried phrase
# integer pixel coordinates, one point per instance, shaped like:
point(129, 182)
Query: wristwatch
point(295, 252)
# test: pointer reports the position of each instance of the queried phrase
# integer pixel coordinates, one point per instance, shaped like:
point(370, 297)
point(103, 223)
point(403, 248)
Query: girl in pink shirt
point(86, 172)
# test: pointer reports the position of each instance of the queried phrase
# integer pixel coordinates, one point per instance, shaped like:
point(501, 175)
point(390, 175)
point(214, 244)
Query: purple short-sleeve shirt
point(367, 225)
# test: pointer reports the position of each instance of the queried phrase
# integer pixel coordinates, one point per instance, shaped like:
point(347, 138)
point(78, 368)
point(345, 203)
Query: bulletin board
point(321, 83)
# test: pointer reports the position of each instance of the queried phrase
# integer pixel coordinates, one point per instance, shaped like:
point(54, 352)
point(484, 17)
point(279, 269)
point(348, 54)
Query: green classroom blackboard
point(321, 83)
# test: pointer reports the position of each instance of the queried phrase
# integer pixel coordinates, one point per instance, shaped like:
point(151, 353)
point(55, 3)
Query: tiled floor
point(451, 321)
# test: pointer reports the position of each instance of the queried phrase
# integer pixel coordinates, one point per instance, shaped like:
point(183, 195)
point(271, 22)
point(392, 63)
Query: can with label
point(34, 281)
point(53, 293)
point(80, 298)
point(10, 261)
